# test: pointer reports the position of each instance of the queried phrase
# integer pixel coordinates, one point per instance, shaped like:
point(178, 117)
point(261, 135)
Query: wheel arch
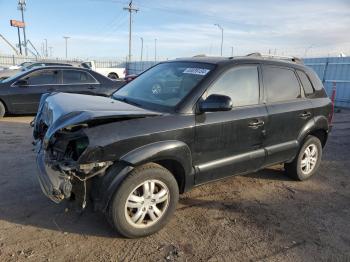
point(317, 127)
point(172, 155)
point(113, 73)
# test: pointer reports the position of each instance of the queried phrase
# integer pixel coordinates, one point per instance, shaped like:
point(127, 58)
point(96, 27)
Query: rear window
point(305, 81)
point(281, 84)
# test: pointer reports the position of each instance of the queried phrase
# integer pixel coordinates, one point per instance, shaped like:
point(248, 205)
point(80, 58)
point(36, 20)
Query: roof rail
point(288, 58)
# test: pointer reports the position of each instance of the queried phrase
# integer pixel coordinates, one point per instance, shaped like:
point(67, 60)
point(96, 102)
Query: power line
point(130, 9)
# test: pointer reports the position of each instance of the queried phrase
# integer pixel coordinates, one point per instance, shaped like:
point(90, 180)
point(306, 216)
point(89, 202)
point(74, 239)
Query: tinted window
point(42, 77)
point(77, 77)
point(306, 83)
point(239, 83)
point(281, 84)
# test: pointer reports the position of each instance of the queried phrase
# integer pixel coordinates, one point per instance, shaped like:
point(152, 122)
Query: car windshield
point(9, 79)
point(163, 86)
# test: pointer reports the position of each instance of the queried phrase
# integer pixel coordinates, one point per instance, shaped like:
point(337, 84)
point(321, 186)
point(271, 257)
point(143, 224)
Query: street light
point(66, 39)
point(141, 38)
point(222, 35)
point(155, 50)
point(141, 53)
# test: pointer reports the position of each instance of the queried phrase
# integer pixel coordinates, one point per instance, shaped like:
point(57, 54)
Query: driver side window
point(241, 84)
point(42, 77)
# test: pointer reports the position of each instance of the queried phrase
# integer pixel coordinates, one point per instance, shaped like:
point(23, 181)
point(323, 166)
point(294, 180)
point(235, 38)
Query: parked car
point(133, 153)
point(30, 65)
point(110, 72)
point(22, 65)
point(21, 93)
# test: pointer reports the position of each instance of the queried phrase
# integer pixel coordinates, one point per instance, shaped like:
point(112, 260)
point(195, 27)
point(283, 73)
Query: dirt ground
point(259, 217)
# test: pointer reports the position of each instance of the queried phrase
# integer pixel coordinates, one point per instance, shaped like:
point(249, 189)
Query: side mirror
point(22, 83)
point(215, 103)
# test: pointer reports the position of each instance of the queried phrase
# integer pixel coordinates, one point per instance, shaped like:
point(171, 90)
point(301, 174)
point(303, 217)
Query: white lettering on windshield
point(196, 71)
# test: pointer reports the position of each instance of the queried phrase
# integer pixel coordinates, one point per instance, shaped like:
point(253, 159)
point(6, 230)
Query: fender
point(163, 150)
point(316, 123)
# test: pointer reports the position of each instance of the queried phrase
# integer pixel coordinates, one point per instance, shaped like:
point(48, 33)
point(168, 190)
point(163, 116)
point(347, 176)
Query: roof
point(253, 58)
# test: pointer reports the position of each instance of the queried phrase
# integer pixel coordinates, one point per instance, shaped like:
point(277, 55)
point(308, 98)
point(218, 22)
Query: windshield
point(163, 86)
point(9, 79)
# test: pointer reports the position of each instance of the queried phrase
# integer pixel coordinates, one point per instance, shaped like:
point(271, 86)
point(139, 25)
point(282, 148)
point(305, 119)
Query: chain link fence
point(131, 68)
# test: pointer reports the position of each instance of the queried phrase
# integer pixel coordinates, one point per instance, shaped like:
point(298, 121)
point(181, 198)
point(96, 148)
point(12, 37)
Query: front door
point(230, 142)
point(26, 92)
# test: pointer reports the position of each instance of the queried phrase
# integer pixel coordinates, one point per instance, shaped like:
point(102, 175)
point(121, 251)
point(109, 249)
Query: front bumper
point(52, 182)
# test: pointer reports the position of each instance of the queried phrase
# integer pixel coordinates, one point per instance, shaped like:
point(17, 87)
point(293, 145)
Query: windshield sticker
point(196, 71)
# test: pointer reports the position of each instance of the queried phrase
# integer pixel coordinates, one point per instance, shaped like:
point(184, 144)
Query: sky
point(100, 28)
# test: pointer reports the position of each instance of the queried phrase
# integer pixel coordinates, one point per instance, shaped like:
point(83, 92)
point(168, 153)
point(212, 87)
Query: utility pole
point(155, 50)
point(130, 9)
point(222, 36)
point(232, 51)
point(66, 40)
point(22, 6)
point(19, 41)
point(46, 53)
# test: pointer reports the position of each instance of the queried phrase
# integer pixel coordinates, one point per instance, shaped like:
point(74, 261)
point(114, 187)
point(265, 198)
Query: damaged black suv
point(179, 124)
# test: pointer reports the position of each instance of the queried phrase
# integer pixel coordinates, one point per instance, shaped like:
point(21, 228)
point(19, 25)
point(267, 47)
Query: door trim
point(231, 160)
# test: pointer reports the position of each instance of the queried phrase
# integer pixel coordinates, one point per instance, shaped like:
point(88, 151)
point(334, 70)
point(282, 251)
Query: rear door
point(26, 92)
point(288, 112)
point(230, 142)
point(79, 81)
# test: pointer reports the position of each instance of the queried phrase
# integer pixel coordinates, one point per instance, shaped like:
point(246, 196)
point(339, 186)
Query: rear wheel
point(2, 110)
point(113, 76)
point(144, 202)
point(307, 161)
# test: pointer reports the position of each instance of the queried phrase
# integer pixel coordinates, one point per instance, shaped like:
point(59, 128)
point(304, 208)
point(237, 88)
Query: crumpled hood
point(61, 110)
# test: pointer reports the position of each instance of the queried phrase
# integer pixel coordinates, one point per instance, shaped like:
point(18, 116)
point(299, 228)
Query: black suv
point(178, 125)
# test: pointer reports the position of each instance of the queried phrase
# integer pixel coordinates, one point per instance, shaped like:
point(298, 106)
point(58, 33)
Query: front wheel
point(307, 161)
point(144, 202)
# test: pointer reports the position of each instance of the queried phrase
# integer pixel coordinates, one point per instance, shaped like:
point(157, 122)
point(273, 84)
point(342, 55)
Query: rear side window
point(281, 84)
point(241, 84)
point(77, 77)
point(305, 82)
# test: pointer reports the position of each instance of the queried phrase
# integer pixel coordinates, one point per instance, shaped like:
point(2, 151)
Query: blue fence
point(333, 69)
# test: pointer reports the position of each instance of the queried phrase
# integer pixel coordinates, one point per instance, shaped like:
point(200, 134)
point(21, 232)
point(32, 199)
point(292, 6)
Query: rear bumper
point(51, 181)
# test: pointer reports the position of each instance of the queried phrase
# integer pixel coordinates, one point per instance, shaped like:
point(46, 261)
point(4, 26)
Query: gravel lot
point(258, 217)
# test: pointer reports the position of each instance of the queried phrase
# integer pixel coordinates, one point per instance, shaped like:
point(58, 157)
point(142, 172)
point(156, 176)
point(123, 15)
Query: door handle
point(305, 114)
point(256, 123)
point(91, 87)
point(51, 89)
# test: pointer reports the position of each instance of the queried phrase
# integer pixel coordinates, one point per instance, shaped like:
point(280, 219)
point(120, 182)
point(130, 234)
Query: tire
point(2, 110)
point(113, 76)
point(133, 212)
point(308, 160)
